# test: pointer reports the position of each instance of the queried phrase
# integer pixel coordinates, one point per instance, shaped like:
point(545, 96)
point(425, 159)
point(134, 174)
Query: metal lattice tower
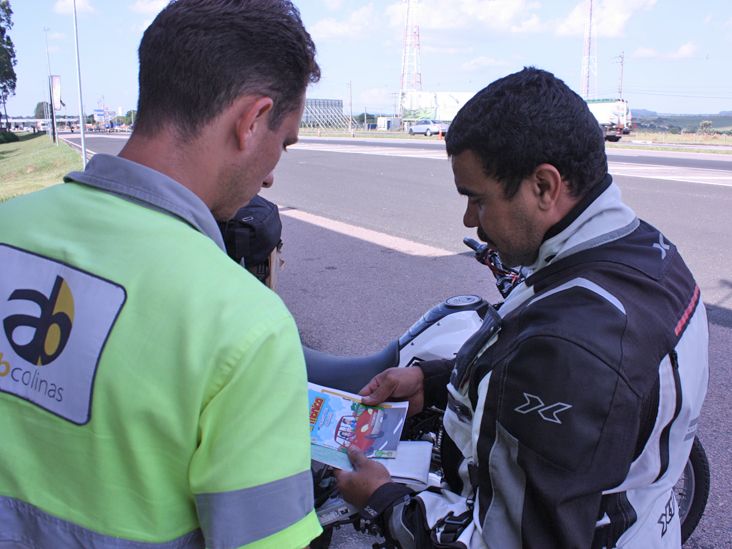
point(411, 65)
point(588, 84)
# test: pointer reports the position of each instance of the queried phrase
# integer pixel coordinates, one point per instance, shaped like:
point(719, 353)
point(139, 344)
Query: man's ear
point(252, 115)
point(547, 185)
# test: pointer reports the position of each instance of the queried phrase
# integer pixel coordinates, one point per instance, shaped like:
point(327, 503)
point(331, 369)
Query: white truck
point(613, 115)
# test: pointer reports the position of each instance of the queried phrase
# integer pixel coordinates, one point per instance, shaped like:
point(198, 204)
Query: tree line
point(8, 79)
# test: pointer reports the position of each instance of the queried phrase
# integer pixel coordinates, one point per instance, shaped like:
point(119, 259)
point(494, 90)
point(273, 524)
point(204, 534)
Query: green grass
point(33, 163)
point(683, 138)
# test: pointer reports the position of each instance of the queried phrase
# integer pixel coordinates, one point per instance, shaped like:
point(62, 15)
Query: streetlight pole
point(82, 118)
point(51, 113)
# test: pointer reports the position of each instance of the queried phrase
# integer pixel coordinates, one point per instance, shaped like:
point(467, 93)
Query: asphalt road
point(373, 237)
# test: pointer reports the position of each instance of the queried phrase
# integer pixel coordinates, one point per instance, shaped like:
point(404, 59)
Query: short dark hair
point(198, 56)
point(529, 118)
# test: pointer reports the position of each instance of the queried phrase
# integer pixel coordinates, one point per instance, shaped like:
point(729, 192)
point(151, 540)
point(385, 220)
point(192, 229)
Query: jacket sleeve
point(436, 377)
point(250, 473)
point(548, 447)
point(560, 426)
point(399, 516)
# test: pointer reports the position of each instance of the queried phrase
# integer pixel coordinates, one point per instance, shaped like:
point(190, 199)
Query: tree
point(705, 126)
point(8, 79)
point(42, 109)
point(130, 117)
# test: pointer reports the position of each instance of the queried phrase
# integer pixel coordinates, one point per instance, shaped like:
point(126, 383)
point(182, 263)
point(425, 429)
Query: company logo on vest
point(51, 329)
point(55, 321)
point(39, 339)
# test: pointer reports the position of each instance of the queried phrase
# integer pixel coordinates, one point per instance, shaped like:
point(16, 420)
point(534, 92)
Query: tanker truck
point(613, 115)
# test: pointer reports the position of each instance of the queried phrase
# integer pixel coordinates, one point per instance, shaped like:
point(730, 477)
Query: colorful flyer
point(338, 421)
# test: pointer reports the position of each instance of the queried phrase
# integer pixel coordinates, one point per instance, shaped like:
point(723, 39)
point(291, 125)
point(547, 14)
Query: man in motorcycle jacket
point(571, 413)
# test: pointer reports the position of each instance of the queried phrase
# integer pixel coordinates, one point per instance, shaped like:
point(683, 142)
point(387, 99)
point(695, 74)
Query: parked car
point(428, 127)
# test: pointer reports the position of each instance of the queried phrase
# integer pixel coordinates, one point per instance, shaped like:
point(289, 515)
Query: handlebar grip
point(473, 244)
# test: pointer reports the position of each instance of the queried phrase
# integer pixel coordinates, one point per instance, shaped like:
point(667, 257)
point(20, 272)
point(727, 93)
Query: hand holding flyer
point(339, 421)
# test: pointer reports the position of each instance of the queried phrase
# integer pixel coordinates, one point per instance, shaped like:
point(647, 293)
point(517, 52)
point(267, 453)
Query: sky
point(675, 53)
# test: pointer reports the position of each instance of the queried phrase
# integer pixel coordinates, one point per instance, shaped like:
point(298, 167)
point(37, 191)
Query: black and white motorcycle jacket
point(570, 426)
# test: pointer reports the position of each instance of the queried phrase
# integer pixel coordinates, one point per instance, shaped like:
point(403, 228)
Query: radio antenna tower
point(588, 85)
point(411, 67)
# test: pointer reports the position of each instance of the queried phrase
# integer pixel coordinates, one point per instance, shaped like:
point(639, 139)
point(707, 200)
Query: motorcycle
point(438, 334)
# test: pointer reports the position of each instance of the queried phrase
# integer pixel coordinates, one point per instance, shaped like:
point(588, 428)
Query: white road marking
point(646, 171)
point(432, 154)
point(77, 146)
point(671, 173)
point(384, 240)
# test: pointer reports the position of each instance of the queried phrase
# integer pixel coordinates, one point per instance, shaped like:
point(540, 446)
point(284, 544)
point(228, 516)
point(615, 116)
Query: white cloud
point(645, 53)
point(151, 7)
point(482, 62)
point(610, 17)
point(685, 51)
point(57, 36)
point(357, 23)
point(532, 24)
point(501, 15)
point(66, 7)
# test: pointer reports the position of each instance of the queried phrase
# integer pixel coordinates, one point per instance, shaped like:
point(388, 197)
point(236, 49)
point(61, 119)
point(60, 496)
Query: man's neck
point(186, 163)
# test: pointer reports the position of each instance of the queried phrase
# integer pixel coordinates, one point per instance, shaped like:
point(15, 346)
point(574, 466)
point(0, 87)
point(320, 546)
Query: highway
point(373, 238)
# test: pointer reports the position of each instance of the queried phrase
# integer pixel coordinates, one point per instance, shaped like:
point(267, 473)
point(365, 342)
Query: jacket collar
point(598, 218)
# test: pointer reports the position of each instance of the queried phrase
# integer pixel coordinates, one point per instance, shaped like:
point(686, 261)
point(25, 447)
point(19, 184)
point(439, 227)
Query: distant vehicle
point(428, 127)
point(613, 115)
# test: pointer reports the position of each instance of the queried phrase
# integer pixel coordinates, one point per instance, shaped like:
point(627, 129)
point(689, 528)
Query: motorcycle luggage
point(253, 238)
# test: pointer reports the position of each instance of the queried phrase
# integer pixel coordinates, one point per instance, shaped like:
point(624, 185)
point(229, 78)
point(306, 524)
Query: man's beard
point(508, 261)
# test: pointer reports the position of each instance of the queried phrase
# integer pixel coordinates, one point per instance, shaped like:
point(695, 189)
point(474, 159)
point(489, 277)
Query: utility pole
point(52, 114)
point(82, 118)
point(350, 108)
point(588, 83)
point(620, 84)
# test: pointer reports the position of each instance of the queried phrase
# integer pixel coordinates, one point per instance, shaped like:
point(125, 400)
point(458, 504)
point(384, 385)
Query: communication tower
point(588, 84)
point(411, 65)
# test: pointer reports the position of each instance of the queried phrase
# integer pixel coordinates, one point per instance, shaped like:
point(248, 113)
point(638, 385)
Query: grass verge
point(33, 163)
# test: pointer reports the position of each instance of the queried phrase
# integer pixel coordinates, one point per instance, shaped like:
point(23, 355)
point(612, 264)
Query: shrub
point(8, 137)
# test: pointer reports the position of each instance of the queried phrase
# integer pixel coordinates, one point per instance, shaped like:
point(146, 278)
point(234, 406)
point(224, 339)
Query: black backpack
point(252, 235)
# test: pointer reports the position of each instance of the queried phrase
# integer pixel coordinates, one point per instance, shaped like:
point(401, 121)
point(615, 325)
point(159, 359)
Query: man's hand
point(396, 384)
point(367, 476)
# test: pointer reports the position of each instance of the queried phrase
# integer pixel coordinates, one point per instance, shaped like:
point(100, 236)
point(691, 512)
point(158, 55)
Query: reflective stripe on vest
point(25, 525)
point(232, 519)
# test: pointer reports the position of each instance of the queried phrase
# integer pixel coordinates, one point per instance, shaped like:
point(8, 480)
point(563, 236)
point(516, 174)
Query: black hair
point(198, 56)
point(529, 118)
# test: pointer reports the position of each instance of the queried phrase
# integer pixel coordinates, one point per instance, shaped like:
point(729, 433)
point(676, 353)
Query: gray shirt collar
point(148, 187)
